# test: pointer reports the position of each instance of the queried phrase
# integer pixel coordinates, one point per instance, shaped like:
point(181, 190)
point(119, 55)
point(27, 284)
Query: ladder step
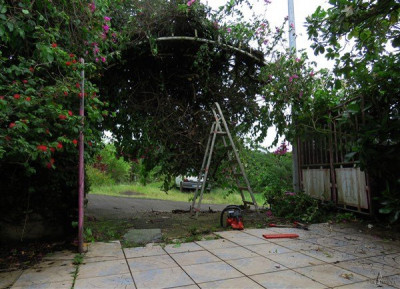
point(243, 188)
point(248, 203)
point(229, 147)
point(219, 132)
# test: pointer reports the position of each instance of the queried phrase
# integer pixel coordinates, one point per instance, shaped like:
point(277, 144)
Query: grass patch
point(153, 191)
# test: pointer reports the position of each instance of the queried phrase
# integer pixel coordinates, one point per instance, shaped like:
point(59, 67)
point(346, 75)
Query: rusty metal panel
point(316, 183)
point(351, 187)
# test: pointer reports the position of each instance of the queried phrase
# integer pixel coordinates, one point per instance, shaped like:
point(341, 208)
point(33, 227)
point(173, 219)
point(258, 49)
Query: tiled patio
point(323, 257)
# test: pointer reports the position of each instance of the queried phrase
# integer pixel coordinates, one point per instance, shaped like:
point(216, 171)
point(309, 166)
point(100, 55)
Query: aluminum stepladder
point(236, 165)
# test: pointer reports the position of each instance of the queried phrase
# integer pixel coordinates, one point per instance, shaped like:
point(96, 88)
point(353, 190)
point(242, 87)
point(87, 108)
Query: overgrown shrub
point(297, 206)
point(97, 177)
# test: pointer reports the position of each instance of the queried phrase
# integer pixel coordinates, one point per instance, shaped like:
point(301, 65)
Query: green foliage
point(268, 172)
point(40, 85)
point(370, 72)
point(297, 206)
point(97, 177)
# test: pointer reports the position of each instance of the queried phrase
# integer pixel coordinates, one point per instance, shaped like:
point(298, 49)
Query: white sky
point(275, 12)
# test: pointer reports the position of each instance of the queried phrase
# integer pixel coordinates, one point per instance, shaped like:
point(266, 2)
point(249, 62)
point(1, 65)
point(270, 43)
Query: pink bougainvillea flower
point(106, 28)
point(92, 7)
point(59, 145)
point(74, 141)
point(103, 59)
point(97, 59)
point(191, 2)
point(17, 96)
point(291, 25)
point(62, 117)
point(267, 2)
point(12, 125)
point(24, 81)
point(54, 45)
point(77, 85)
point(70, 113)
point(96, 50)
point(277, 30)
point(65, 93)
point(312, 73)
point(103, 36)
point(269, 213)
point(266, 41)
point(107, 19)
point(42, 148)
point(297, 59)
point(229, 30)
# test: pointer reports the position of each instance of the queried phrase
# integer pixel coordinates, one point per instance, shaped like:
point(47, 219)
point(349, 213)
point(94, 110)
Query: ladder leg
point(202, 167)
point(206, 173)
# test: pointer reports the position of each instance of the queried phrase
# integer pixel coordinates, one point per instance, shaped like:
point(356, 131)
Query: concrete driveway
point(102, 207)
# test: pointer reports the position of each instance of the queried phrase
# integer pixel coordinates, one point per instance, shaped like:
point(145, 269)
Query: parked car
point(189, 183)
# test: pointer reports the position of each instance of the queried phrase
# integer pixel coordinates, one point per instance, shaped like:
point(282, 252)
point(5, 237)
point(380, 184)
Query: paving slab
point(391, 260)
point(197, 257)
point(216, 244)
point(330, 275)
point(255, 265)
point(247, 240)
point(328, 255)
point(233, 253)
point(161, 278)
point(243, 283)
point(102, 251)
point(121, 281)
point(286, 279)
point(231, 234)
point(182, 247)
point(371, 284)
point(211, 272)
point(8, 278)
point(60, 256)
point(268, 249)
point(143, 236)
point(361, 250)
point(259, 232)
point(47, 272)
point(295, 260)
point(52, 285)
point(369, 268)
point(328, 242)
point(151, 263)
point(149, 250)
point(106, 268)
point(299, 245)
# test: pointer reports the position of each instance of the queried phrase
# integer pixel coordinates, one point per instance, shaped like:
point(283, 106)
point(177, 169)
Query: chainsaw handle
point(230, 207)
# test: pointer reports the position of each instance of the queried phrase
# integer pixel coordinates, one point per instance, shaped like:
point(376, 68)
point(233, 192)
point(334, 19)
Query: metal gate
point(328, 168)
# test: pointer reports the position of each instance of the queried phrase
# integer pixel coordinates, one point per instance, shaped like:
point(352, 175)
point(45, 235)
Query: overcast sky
point(275, 12)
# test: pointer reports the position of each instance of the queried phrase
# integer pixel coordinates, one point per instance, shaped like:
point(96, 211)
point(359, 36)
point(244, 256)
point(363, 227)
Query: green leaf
point(385, 210)
point(3, 9)
point(10, 26)
point(26, 12)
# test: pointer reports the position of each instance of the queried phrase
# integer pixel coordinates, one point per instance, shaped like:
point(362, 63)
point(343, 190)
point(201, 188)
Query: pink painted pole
point(81, 163)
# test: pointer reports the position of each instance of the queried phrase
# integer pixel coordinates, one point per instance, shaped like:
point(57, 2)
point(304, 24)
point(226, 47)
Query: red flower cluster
point(12, 125)
point(42, 148)
point(54, 45)
point(28, 98)
point(59, 145)
point(70, 113)
point(66, 93)
point(17, 96)
point(75, 142)
point(62, 117)
point(68, 63)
